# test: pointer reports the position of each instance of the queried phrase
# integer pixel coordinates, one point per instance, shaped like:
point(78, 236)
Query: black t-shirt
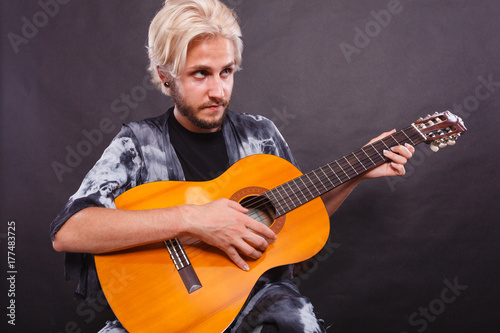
point(203, 156)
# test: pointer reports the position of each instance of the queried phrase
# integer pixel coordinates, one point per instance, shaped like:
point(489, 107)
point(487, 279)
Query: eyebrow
point(207, 68)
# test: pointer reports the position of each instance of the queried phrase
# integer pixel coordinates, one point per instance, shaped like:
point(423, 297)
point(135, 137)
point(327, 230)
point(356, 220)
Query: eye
point(227, 71)
point(200, 74)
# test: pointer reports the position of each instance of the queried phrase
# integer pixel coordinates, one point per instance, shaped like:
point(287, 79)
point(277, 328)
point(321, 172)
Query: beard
point(191, 112)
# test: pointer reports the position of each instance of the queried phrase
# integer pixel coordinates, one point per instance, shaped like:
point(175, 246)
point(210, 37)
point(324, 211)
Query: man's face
point(202, 92)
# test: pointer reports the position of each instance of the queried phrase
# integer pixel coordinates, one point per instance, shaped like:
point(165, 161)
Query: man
point(195, 49)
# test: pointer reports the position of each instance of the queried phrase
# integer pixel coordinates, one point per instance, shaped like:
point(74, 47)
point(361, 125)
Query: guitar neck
point(315, 183)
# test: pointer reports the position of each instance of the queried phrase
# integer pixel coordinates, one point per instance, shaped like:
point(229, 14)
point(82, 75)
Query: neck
point(313, 184)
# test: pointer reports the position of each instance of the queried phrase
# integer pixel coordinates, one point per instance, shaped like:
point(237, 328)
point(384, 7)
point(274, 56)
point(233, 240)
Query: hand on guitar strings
point(398, 156)
point(223, 224)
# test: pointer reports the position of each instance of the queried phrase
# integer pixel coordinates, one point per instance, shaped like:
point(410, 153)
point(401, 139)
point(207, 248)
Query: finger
point(406, 151)
point(394, 157)
point(256, 241)
point(235, 205)
point(260, 229)
point(410, 148)
point(252, 224)
point(248, 249)
point(398, 168)
point(237, 259)
point(381, 136)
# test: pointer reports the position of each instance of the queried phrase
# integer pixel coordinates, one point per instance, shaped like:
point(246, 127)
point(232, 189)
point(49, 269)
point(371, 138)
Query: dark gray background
point(394, 243)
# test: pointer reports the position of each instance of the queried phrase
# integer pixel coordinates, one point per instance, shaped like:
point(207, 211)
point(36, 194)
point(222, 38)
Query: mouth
point(215, 107)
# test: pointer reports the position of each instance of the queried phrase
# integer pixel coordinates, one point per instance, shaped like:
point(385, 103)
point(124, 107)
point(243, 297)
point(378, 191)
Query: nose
point(216, 89)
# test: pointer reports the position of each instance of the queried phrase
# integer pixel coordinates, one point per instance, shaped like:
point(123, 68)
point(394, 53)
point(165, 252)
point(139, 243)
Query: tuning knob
point(434, 147)
point(453, 139)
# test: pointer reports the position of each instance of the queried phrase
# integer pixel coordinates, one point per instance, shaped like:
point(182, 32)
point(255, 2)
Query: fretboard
point(315, 183)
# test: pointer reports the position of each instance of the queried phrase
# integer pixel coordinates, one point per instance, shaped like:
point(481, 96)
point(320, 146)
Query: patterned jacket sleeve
point(118, 169)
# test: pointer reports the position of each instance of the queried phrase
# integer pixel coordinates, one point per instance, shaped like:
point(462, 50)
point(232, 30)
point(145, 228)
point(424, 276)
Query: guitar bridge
point(183, 265)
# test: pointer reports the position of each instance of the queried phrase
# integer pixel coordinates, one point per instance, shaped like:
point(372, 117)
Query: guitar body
point(144, 288)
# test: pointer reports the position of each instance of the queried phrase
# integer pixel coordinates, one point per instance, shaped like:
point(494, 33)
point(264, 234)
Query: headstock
point(441, 129)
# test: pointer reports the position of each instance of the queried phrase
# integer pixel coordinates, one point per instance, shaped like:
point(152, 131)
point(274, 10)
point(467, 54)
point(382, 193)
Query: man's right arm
point(221, 223)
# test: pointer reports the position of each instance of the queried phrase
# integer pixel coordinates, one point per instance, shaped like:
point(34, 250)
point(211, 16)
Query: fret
point(354, 154)
point(327, 178)
point(276, 203)
point(314, 172)
point(310, 180)
point(340, 180)
point(282, 199)
point(281, 194)
point(350, 165)
point(413, 143)
point(397, 142)
point(299, 190)
point(357, 166)
point(294, 192)
point(363, 150)
point(343, 170)
point(386, 146)
point(376, 150)
point(302, 180)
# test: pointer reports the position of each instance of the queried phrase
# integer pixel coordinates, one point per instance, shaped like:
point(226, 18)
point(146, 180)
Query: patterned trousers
point(277, 307)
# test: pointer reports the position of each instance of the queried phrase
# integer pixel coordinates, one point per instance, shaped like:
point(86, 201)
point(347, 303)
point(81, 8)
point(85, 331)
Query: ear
point(163, 76)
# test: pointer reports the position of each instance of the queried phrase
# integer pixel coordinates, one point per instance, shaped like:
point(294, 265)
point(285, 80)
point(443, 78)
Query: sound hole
point(260, 209)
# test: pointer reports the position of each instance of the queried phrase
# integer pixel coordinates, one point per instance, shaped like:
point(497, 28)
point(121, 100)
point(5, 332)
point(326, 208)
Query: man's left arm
point(398, 156)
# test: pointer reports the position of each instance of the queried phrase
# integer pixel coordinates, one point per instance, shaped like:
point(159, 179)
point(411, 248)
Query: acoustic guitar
point(185, 285)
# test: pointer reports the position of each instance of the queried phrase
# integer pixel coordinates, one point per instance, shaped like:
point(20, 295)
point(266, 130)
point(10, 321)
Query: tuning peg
point(452, 139)
point(434, 147)
point(440, 143)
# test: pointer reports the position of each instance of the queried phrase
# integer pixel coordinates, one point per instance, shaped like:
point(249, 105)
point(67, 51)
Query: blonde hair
point(181, 21)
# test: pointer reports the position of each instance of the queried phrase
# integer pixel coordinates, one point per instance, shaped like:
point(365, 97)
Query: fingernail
point(385, 152)
point(246, 268)
point(407, 145)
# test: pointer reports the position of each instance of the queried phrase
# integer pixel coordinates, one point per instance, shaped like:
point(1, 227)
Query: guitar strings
point(329, 173)
point(312, 186)
point(326, 173)
point(193, 246)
